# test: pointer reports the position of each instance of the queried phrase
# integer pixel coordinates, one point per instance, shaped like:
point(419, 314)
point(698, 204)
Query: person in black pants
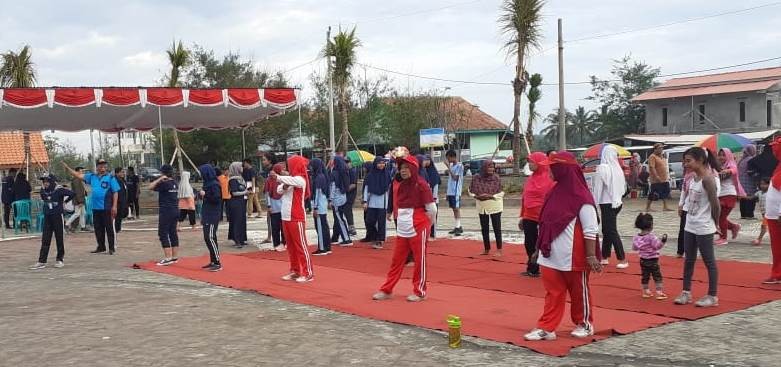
point(8, 197)
point(53, 198)
point(352, 192)
point(237, 206)
point(168, 202)
point(122, 202)
point(612, 240)
point(133, 182)
point(530, 230)
point(104, 200)
point(210, 214)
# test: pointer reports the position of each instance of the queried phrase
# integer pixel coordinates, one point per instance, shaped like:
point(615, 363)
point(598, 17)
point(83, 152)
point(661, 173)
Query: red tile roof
point(12, 149)
point(732, 82)
point(462, 115)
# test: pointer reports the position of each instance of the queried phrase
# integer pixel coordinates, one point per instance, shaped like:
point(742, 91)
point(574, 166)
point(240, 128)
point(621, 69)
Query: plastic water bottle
point(454, 331)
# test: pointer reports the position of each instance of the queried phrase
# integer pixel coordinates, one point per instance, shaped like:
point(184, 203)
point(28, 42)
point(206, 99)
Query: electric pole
point(330, 95)
point(562, 113)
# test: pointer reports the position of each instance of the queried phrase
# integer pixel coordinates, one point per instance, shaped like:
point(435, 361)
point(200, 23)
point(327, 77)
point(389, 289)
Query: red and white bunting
point(243, 98)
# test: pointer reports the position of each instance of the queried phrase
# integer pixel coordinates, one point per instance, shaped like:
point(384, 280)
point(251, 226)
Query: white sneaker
point(604, 262)
point(38, 266)
point(280, 248)
point(684, 298)
point(381, 296)
point(582, 332)
point(290, 276)
point(59, 264)
point(303, 279)
point(539, 334)
point(622, 265)
point(707, 301)
point(415, 298)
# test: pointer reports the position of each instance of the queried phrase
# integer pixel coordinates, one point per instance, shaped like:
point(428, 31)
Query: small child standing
point(764, 184)
point(648, 246)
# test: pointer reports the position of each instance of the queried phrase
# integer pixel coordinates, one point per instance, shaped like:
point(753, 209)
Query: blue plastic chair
point(21, 214)
point(39, 216)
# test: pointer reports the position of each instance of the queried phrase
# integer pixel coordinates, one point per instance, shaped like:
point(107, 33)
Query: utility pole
point(330, 97)
point(562, 122)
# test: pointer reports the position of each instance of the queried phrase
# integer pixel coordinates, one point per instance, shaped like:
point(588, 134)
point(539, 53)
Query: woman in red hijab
point(534, 192)
point(414, 211)
point(294, 190)
point(773, 215)
point(568, 250)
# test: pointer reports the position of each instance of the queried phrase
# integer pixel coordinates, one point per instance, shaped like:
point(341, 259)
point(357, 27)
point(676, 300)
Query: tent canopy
point(113, 109)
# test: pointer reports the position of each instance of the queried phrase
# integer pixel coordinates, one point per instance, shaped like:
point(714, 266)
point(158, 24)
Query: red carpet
point(493, 301)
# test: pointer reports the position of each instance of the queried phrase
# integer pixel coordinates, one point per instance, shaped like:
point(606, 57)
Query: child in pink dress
point(648, 246)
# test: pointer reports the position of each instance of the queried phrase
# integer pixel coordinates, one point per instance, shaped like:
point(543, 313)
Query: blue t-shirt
point(455, 186)
point(103, 188)
point(168, 195)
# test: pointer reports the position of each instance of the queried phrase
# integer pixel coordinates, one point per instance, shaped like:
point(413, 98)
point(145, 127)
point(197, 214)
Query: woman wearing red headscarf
point(730, 191)
point(294, 190)
point(773, 215)
point(534, 192)
point(414, 211)
point(568, 250)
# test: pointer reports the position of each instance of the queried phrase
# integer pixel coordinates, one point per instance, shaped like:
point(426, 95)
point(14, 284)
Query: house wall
point(483, 144)
point(722, 109)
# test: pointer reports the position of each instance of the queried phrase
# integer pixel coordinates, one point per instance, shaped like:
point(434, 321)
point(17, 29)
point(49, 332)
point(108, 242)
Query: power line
point(732, 12)
point(301, 66)
point(565, 83)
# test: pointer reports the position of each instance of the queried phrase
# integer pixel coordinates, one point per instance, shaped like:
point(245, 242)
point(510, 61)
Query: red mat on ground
point(493, 301)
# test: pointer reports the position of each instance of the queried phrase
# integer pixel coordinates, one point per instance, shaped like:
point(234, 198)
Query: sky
point(102, 43)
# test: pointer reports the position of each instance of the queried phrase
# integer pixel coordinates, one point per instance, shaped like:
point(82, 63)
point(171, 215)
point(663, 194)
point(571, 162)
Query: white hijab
point(611, 175)
point(185, 190)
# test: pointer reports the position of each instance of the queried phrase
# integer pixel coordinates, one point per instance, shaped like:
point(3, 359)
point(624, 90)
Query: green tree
point(621, 116)
point(62, 151)
point(341, 54)
point(582, 126)
point(551, 130)
point(17, 69)
point(520, 21)
point(534, 95)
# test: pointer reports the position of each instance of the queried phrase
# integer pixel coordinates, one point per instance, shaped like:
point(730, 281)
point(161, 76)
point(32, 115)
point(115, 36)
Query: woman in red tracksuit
point(295, 190)
point(414, 210)
point(567, 246)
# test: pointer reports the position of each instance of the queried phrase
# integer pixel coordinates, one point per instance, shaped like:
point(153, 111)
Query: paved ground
point(99, 312)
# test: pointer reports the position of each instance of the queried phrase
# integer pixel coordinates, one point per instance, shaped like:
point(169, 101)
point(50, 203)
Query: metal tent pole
point(92, 151)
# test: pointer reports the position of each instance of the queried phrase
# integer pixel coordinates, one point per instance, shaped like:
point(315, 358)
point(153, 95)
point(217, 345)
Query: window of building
point(742, 113)
point(701, 113)
point(769, 113)
point(664, 116)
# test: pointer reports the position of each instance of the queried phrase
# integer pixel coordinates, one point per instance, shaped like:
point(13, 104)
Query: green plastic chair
point(21, 214)
point(39, 216)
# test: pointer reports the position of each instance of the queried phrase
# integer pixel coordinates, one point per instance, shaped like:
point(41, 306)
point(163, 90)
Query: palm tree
point(341, 53)
point(551, 131)
point(583, 124)
point(17, 70)
point(520, 22)
point(534, 95)
point(178, 56)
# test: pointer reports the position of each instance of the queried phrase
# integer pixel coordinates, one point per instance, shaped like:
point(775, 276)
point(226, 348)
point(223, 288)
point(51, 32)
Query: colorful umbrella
point(360, 156)
point(718, 141)
point(595, 151)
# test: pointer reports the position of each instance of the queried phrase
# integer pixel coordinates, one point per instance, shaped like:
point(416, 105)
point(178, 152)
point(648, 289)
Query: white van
point(674, 158)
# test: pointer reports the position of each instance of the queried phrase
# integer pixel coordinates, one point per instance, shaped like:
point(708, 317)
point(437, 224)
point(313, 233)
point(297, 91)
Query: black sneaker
point(453, 231)
point(215, 267)
point(209, 265)
point(458, 231)
point(364, 240)
point(320, 253)
point(97, 251)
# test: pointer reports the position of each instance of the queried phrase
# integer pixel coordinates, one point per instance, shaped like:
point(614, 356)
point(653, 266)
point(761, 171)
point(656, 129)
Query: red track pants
point(401, 249)
point(297, 250)
point(557, 284)
point(727, 204)
point(774, 228)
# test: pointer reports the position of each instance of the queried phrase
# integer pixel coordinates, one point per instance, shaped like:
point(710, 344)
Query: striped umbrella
point(595, 151)
point(716, 142)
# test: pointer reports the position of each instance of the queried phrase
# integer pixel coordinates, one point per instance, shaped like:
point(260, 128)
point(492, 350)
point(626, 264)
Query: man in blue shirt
point(103, 199)
point(455, 186)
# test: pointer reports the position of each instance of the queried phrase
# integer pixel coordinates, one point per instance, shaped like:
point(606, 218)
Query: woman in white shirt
point(608, 190)
point(773, 215)
point(730, 191)
point(702, 215)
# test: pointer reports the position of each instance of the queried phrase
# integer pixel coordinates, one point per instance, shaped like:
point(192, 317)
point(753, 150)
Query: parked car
point(503, 165)
point(149, 174)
